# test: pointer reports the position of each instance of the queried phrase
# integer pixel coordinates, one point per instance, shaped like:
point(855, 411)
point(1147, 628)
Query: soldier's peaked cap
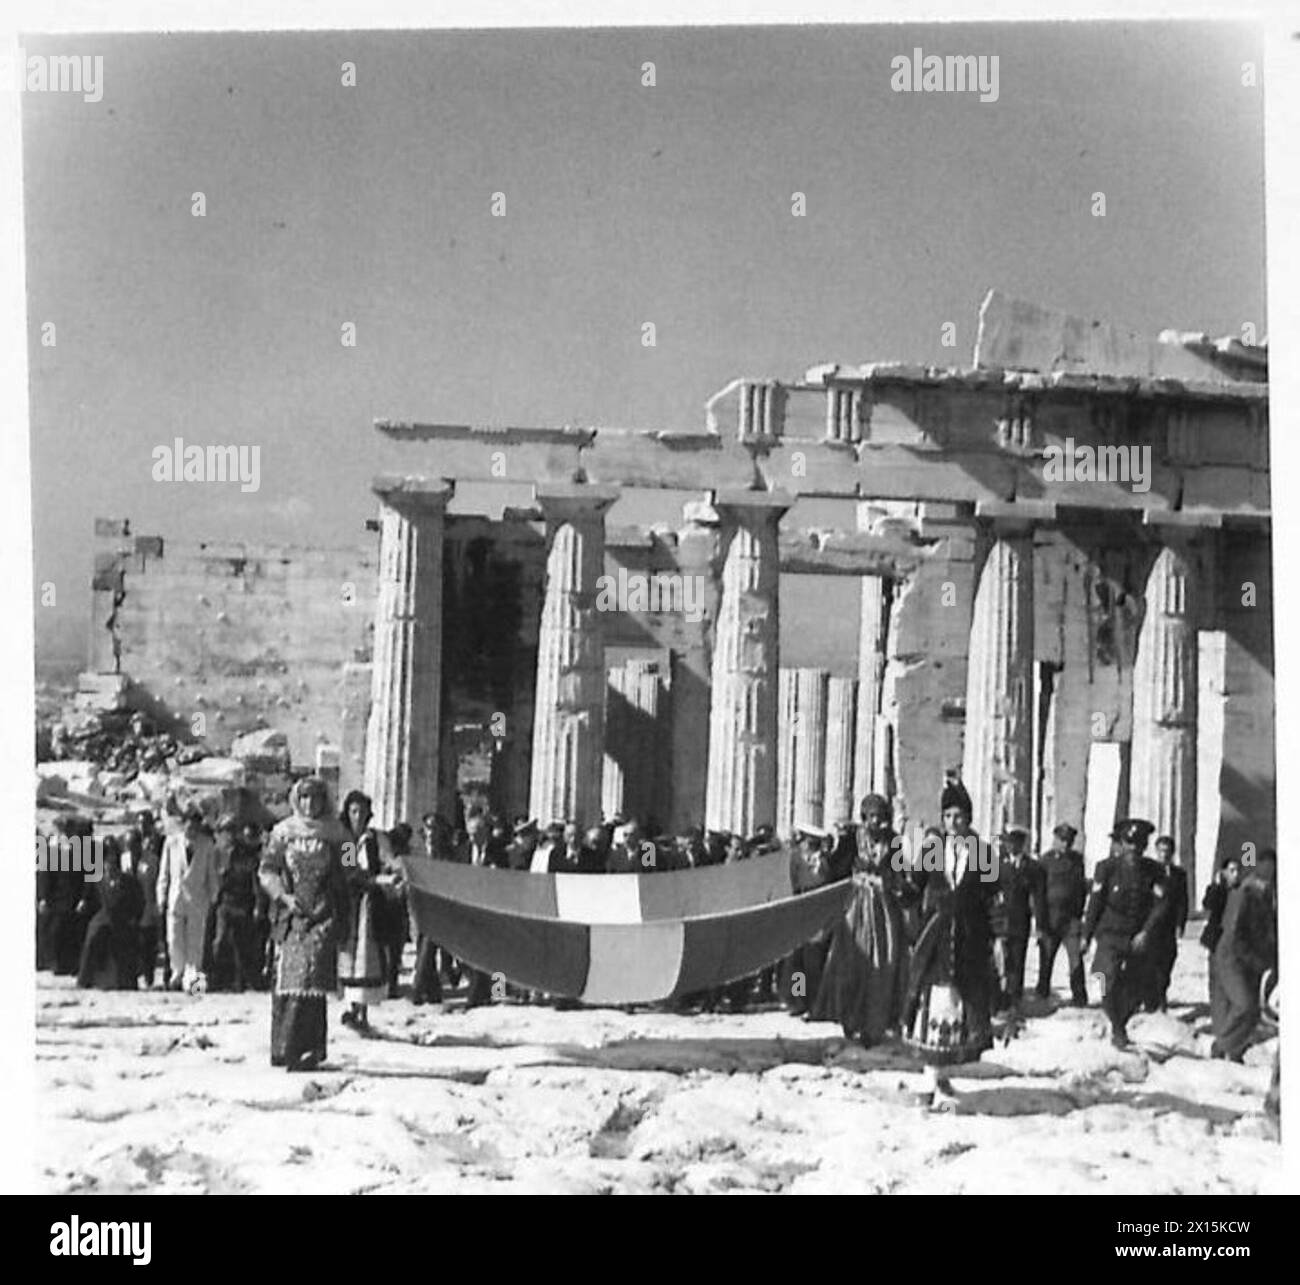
point(1136, 831)
point(1066, 832)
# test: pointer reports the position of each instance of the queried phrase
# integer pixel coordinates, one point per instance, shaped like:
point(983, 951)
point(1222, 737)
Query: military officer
point(1023, 887)
point(1066, 891)
point(1128, 902)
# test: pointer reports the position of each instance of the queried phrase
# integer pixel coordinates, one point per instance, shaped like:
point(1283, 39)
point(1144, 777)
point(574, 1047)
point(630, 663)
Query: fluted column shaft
point(810, 748)
point(1162, 775)
point(402, 736)
point(569, 713)
point(872, 641)
point(786, 723)
point(840, 732)
point(997, 761)
point(741, 791)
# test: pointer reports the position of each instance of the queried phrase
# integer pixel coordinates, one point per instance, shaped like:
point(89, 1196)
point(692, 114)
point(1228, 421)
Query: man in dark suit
point(1065, 892)
point(478, 849)
point(1022, 886)
point(1164, 946)
point(1127, 903)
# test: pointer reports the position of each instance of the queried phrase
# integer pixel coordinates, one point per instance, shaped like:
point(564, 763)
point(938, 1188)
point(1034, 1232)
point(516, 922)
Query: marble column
point(997, 760)
point(569, 712)
point(634, 736)
point(403, 732)
point(741, 789)
point(872, 641)
point(786, 723)
point(1162, 773)
point(810, 748)
point(840, 733)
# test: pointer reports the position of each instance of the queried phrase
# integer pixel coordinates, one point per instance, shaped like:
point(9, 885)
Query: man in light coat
point(189, 879)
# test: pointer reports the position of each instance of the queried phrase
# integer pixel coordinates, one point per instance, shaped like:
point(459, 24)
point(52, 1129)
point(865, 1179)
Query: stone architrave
point(741, 790)
point(402, 736)
point(569, 712)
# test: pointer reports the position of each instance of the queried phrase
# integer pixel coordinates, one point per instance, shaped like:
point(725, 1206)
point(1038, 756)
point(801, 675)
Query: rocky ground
point(158, 1092)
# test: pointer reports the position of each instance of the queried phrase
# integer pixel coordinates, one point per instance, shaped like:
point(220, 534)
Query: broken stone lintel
point(506, 435)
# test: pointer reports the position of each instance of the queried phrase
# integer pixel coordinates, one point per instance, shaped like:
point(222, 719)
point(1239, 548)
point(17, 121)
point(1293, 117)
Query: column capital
point(762, 504)
point(566, 500)
point(429, 494)
point(1016, 517)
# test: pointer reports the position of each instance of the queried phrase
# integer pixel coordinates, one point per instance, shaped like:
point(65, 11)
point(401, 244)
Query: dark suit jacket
point(496, 855)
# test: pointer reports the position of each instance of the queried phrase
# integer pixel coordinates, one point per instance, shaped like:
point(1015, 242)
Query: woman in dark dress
point(865, 982)
point(110, 957)
point(950, 992)
point(302, 873)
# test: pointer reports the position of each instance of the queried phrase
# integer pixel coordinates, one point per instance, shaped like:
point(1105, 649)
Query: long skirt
point(947, 1021)
point(297, 1029)
point(361, 961)
point(865, 981)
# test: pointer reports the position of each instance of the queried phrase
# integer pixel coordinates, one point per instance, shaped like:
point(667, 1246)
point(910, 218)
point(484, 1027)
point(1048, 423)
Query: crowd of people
point(931, 949)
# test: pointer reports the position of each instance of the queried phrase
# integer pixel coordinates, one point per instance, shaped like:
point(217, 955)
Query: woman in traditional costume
point(950, 992)
point(361, 957)
point(865, 982)
point(302, 873)
point(110, 956)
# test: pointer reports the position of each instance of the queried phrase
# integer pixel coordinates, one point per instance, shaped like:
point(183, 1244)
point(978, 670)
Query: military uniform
point(1021, 887)
point(1128, 899)
point(1065, 893)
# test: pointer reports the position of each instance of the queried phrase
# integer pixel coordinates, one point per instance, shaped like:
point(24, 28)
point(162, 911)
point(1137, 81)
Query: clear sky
point(625, 204)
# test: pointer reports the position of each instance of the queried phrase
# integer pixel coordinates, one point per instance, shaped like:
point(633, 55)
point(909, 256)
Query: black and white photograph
point(650, 609)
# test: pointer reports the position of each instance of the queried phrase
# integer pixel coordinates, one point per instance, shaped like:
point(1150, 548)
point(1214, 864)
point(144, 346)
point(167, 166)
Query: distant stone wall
point(245, 635)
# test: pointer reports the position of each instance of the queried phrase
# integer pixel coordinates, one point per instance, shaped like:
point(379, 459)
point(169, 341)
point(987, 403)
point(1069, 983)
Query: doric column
point(840, 732)
point(741, 792)
point(787, 715)
point(997, 762)
point(402, 737)
point(569, 715)
point(1162, 774)
point(873, 636)
point(810, 748)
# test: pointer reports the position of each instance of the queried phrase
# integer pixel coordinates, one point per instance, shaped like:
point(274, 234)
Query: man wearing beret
point(1128, 902)
point(1066, 891)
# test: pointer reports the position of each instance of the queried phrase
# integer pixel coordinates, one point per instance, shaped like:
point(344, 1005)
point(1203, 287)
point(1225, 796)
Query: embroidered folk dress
point(303, 858)
point(865, 982)
point(361, 962)
point(950, 993)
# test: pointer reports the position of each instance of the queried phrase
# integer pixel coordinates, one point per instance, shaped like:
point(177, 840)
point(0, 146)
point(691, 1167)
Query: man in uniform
point(1065, 892)
point(1164, 947)
point(1128, 902)
point(1023, 886)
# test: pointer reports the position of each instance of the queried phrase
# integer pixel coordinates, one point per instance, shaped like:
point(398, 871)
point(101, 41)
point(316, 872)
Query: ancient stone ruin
point(1063, 564)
